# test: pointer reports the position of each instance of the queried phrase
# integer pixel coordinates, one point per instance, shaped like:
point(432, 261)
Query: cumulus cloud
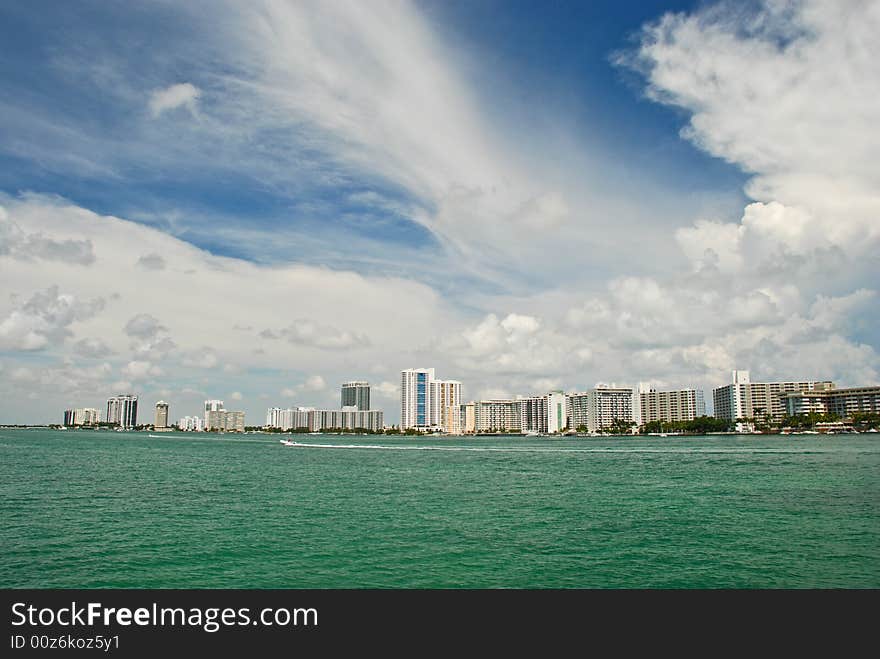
point(235, 395)
point(16, 243)
point(183, 94)
point(310, 333)
point(789, 92)
point(140, 370)
point(45, 319)
point(143, 326)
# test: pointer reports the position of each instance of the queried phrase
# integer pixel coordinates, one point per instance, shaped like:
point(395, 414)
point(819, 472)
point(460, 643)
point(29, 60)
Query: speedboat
point(289, 442)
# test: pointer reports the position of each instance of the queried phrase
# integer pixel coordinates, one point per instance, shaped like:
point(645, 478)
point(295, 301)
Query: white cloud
point(151, 262)
point(25, 246)
point(140, 370)
point(314, 383)
point(182, 94)
point(143, 326)
point(310, 333)
point(235, 395)
point(790, 92)
point(45, 319)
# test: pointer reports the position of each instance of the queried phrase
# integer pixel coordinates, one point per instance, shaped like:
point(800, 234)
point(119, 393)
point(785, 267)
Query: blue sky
point(561, 193)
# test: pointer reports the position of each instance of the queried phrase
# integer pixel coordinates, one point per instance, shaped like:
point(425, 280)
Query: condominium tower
point(743, 398)
point(122, 410)
point(428, 403)
point(356, 394)
point(161, 415)
point(678, 405)
point(601, 407)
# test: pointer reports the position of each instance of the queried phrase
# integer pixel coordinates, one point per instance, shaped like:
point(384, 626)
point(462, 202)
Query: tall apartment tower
point(743, 398)
point(426, 402)
point(212, 406)
point(356, 394)
point(415, 397)
point(122, 410)
point(161, 415)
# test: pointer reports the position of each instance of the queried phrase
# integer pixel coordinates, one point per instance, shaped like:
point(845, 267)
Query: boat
point(290, 442)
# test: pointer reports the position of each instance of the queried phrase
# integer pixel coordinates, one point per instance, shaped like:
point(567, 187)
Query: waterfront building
point(347, 418)
point(224, 420)
point(415, 397)
point(81, 416)
point(161, 415)
point(677, 405)
point(744, 399)
point(467, 418)
point(356, 394)
point(213, 406)
point(427, 403)
point(842, 402)
point(122, 410)
point(499, 414)
point(445, 401)
point(191, 424)
point(601, 407)
point(544, 414)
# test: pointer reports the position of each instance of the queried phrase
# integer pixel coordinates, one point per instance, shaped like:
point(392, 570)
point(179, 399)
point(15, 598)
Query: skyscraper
point(212, 406)
point(356, 394)
point(415, 397)
point(161, 415)
point(743, 398)
point(122, 410)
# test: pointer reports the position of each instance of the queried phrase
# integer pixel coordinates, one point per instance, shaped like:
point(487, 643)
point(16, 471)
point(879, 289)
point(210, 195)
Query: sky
point(256, 202)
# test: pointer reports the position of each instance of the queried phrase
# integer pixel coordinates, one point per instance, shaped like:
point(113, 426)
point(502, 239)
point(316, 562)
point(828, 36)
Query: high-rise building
point(467, 418)
point(445, 403)
point(224, 421)
point(81, 416)
point(678, 405)
point(428, 403)
point(356, 394)
point(161, 415)
point(842, 402)
point(601, 407)
point(744, 399)
point(212, 406)
point(122, 410)
point(499, 414)
point(348, 418)
point(415, 398)
point(544, 414)
point(191, 423)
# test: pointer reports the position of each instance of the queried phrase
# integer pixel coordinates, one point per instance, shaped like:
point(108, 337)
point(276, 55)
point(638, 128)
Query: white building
point(212, 406)
point(500, 414)
point(601, 407)
point(842, 402)
point(224, 421)
point(427, 403)
point(122, 410)
point(312, 420)
point(81, 416)
point(677, 405)
point(744, 399)
point(191, 423)
point(544, 414)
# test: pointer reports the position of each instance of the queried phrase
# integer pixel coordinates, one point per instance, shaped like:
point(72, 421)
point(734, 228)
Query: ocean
point(86, 509)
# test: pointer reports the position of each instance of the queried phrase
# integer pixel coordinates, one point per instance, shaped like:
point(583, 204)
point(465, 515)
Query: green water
point(117, 510)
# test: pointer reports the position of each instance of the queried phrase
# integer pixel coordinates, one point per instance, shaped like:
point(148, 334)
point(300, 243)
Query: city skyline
point(433, 405)
point(525, 210)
